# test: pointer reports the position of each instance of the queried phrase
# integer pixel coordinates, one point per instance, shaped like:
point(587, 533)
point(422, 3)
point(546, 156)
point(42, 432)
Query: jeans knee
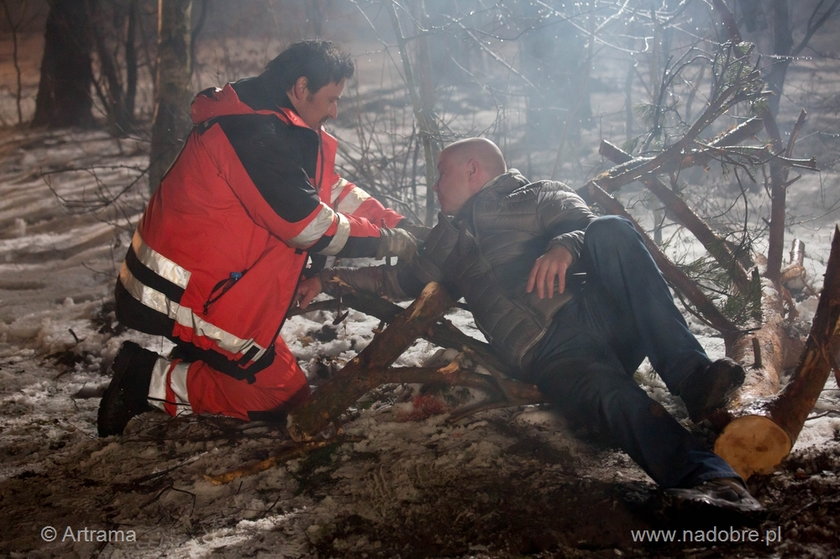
point(580, 383)
point(609, 228)
point(609, 238)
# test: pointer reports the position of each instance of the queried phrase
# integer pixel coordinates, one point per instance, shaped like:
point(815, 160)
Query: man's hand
point(550, 268)
point(396, 242)
point(307, 290)
point(420, 232)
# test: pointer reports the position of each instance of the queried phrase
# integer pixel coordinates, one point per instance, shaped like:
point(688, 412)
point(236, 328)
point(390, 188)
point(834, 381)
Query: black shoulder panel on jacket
point(253, 92)
point(207, 92)
point(279, 159)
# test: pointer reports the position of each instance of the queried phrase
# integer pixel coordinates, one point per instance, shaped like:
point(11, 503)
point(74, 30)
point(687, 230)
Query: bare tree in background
point(66, 75)
point(773, 25)
point(782, 52)
point(114, 34)
point(90, 45)
point(17, 15)
point(172, 120)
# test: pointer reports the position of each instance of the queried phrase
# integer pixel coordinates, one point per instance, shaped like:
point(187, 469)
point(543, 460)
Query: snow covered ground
point(395, 483)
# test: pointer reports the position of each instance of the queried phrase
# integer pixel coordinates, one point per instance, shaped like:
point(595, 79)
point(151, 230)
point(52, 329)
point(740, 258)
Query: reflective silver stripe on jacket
point(352, 200)
point(158, 263)
point(184, 316)
point(315, 229)
point(335, 190)
point(340, 237)
point(168, 376)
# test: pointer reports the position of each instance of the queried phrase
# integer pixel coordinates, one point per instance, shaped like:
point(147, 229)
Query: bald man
point(516, 250)
point(467, 166)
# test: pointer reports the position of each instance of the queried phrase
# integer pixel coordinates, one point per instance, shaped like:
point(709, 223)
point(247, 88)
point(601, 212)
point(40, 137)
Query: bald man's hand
point(548, 269)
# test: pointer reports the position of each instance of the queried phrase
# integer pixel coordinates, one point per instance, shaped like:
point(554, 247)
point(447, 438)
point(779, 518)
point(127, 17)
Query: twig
point(293, 450)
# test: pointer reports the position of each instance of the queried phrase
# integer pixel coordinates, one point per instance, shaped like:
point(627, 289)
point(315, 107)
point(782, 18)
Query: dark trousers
point(586, 361)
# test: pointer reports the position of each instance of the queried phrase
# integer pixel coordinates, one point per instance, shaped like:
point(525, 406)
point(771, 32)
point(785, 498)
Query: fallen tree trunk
point(371, 368)
point(351, 382)
point(765, 428)
point(442, 332)
point(680, 155)
point(626, 172)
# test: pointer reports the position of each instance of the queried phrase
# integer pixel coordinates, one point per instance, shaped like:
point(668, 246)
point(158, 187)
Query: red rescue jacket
point(217, 256)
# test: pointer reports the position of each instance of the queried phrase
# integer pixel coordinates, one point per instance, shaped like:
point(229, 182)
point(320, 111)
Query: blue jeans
point(585, 362)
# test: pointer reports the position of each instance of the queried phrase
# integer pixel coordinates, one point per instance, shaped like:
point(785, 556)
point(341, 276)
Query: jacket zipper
point(221, 288)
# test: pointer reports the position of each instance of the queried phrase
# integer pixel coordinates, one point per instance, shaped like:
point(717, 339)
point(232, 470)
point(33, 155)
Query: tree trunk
point(428, 129)
point(172, 120)
point(66, 76)
point(782, 47)
point(109, 87)
point(131, 61)
point(426, 91)
point(767, 112)
point(767, 425)
point(14, 27)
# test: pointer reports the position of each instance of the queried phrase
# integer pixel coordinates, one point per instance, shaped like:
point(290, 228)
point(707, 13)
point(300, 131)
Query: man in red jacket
point(217, 256)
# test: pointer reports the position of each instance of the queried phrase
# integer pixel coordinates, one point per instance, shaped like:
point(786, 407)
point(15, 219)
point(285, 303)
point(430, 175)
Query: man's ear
point(474, 173)
point(472, 167)
point(300, 88)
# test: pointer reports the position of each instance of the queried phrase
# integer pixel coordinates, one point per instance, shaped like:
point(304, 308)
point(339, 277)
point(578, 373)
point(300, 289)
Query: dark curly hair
point(320, 62)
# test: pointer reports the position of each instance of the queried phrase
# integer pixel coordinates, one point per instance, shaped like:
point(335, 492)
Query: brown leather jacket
point(485, 254)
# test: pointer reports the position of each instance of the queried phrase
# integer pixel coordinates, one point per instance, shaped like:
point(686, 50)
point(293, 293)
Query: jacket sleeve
point(403, 281)
point(348, 198)
point(379, 280)
point(277, 192)
point(564, 216)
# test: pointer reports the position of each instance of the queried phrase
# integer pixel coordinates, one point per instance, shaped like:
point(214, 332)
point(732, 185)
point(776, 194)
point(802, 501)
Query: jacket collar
point(506, 182)
point(254, 93)
point(500, 186)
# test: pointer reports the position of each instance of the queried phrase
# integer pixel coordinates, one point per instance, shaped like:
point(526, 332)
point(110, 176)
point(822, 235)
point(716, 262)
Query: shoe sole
point(687, 499)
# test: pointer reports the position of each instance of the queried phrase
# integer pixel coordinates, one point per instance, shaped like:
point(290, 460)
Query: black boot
point(710, 388)
point(724, 494)
point(126, 396)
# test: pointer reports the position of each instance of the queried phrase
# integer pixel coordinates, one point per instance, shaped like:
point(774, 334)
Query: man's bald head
point(486, 153)
point(464, 167)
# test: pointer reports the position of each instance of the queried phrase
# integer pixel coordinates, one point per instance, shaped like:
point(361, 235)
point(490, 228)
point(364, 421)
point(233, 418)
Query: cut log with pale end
point(753, 444)
point(765, 428)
